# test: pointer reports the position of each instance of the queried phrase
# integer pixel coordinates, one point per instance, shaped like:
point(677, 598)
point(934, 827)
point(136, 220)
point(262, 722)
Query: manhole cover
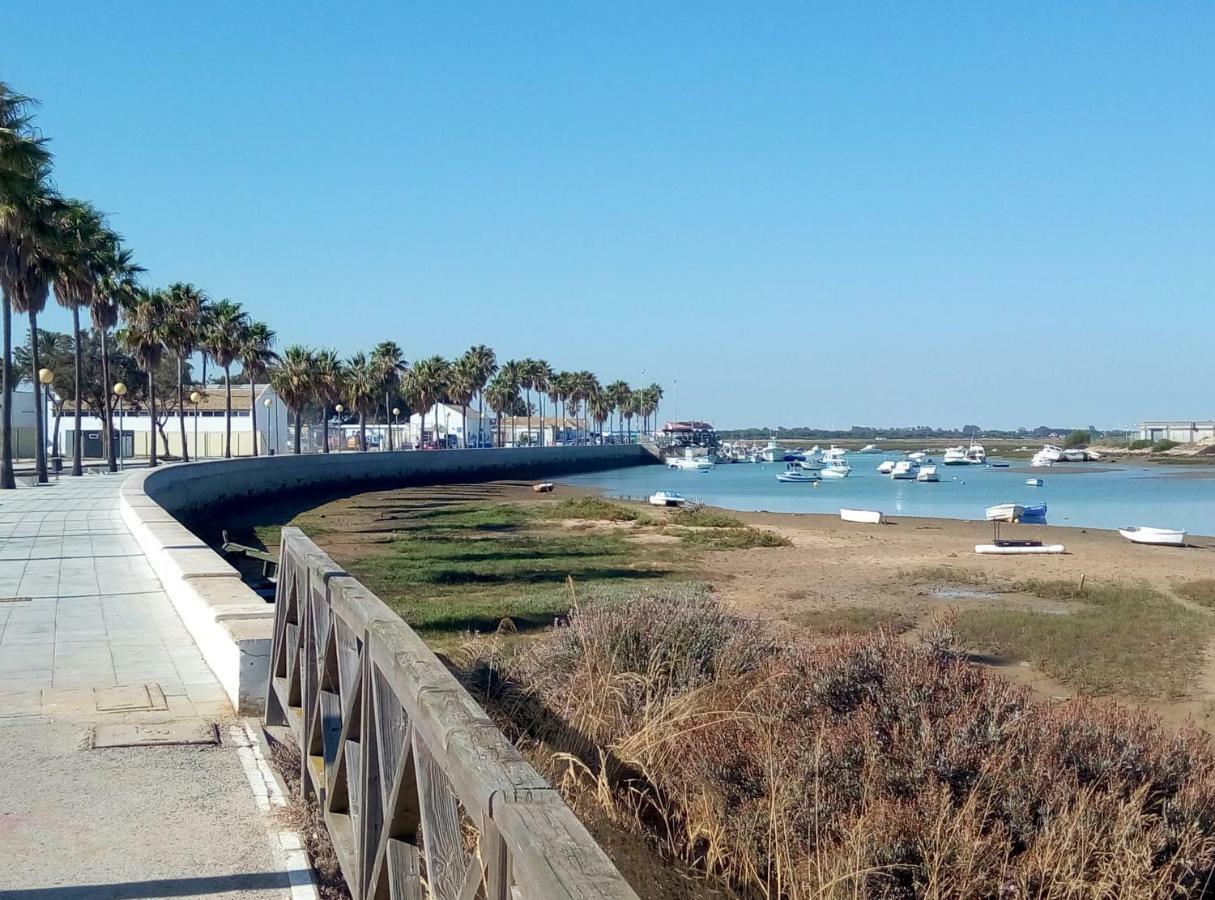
point(158, 734)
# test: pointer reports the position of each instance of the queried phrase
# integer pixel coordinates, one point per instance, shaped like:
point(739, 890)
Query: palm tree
point(426, 383)
point(541, 374)
point(24, 161)
point(617, 394)
point(389, 365)
point(362, 387)
point(653, 399)
point(294, 381)
point(501, 394)
point(514, 374)
point(587, 385)
point(256, 355)
point(632, 407)
point(558, 390)
point(86, 241)
point(185, 303)
point(599, 407)
point(327, 387)
point(146, 317)
point(462, 387)
point(224, 335)
point(484, 363)
point(117, 289)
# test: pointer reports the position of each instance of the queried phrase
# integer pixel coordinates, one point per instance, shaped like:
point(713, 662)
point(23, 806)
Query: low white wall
point(232, 625)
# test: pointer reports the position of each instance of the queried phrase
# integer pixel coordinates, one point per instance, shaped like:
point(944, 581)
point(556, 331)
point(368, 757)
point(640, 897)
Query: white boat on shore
point(886, 467)
point(1047, 456)
point(1142, 534)
point(667, 498)
point(1018, 548)
point(870, 448)
point(1005, 512)
point(863, 516)
point(1075, 455)
point(928, 474)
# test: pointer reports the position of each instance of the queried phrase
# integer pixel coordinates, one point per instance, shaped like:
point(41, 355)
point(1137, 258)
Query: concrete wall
point(232, 626)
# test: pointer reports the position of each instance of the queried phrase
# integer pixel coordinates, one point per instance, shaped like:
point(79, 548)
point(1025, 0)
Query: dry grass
point(725, 538)
point(851, 620)
point(861, 767)
point(1200, 591)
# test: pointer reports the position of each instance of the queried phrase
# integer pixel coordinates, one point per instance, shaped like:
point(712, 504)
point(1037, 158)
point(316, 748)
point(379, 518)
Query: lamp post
point(120, 391)
point(46, 376)
point(269, 403)
point(396, 411)
point(195, 398)
point(337, 408)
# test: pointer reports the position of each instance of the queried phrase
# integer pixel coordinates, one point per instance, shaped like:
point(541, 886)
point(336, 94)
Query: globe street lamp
point(120, 391)
point(195, 398)
point(269, 403)
point(396, 411)
point(341, 431)
point(46, 376)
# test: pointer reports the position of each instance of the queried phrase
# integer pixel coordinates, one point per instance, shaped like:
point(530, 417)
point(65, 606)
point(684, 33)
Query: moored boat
point(667, 498)
point(870, 448)
point(1034, 482)
point(975, 454)
point(886, 467)
point(774, 452)
point(863, 516)
point(836, 468)
point(928, 473)
point(695, 463)
point(905, 470)
point(955, 456)
point(796, 473)
point(1005, 512)
point(1143, 534)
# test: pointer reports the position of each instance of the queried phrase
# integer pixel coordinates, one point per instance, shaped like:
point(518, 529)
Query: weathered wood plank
point(441, 839)
point(404, 871)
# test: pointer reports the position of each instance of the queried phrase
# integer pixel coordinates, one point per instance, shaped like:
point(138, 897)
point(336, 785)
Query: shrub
point(1164, 446)
point(703, 517)
point(860, 766)
point(1077, 439)
point(731, 538)
point(1141, 444)
point(595, 508)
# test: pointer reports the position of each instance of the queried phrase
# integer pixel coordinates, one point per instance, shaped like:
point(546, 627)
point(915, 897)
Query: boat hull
point(863, 516)
point(1160, 537)
point(1019, 550)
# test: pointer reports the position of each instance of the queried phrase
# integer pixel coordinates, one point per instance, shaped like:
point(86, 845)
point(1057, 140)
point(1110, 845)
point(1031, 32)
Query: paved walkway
point(91, 650)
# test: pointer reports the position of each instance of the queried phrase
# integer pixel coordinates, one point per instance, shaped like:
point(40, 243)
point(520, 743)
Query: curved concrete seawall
point(230, 623)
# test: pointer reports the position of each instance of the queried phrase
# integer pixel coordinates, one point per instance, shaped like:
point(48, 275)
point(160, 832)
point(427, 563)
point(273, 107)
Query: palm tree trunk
point(152, 463)
point(529, 417)
point(77, 463)
point(107, 414)
point(541, 396)
point(253, 411)
point(39, 411)
point(227, 412)
point(464, 424)
point(299, 415)
point(388, 419)
point(181, 406)
point(324, 427)
point(7, 481)
point(363, 431)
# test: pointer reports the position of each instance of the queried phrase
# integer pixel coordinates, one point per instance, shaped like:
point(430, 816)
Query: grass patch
point(1164, 446)
point(1200, 591)
point(703, 517)
point(945, 575)
point(595, 508)
point(1120, 638)
point(851, 620)
point(744, 538)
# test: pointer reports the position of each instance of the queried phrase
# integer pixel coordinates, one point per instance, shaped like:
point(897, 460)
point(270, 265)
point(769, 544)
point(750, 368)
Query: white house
point(204, 425)
point(451, 425)
point(1182, 432)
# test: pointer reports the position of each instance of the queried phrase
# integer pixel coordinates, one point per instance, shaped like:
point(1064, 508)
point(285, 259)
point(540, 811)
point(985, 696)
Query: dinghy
point(1034, 515)
point(863, 516)
point(667, 498)
point(1034, 482)
point(836, 468)
point(1142, 534)
point(886, 467)
point(1017, 548)
point(1005, 512)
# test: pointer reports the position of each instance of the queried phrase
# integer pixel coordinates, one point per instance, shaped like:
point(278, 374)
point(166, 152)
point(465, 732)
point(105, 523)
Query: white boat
point(1047, 456)
point(863, 516)
point(695, 463)
point(920, 457)
point(1034, 482)
point(833, 454)
point(886, 467)
point(928, 473)
point(1005, 512)
point(905, 470)
point(774, 452)
point(667, 498)
point(1141, 534)
point(836, 468)
point(796, 472)
point(956, 456)
point(870, 448)
point(1075, 455)
point(1017, 548)
point(975, 454)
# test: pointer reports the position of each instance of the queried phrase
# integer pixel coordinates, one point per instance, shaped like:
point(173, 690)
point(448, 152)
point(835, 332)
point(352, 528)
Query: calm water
point(1163, 496)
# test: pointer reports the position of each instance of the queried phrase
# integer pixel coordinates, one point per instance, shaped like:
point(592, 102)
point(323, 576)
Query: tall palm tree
point(653, 399)
point(599, 406)
point(362, 388)
point(462, 388)
point(541, 374)
point(514, 374)
point(501, 394)
point(617, 393)
point(146, 316)
point(117, 289)
point(223, 337)
point(294, 380)
point(185, 303)
point(86, 241)
point(426, 383)
point(484, 362)
point(558, 390)
point(587, 385)
point(327, 388)
point(256, 355)
point(389, 365)
point(24, 161)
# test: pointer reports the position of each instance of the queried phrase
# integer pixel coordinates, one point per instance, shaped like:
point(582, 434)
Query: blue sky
point(785, 213)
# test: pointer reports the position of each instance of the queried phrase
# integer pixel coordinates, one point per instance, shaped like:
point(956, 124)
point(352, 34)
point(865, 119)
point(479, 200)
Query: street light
point(341, 432)
point(120, 391)
point(396, 411)
point(195, 398)
point(269, 403)
point(46, 376)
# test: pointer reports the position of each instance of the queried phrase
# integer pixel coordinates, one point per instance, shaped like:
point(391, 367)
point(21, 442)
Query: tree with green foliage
point(294, 379)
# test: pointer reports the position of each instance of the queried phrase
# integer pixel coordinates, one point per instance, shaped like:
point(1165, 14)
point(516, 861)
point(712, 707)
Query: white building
point(451, 425)
point(1181, 432)
point(204, 425)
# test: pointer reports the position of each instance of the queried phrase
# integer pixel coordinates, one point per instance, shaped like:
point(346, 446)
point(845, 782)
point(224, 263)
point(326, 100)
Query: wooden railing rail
point(423, 796)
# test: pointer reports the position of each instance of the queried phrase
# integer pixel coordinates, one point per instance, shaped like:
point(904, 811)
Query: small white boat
point(1034, 482)
point(928, 474)
point(863, 516)
point(797, 473)
point(1017, 548)
point(920, 457)
point(1141, 534)
point(833, 454)
point(870, 448)
point(975, 454)
point(905, 470)
point(886, 467)
point(694, 463)
point(667, 498)
point(1047, 456)
point(1005, 512)
point(836, 468)
point(955, 456)
point(1075, 455)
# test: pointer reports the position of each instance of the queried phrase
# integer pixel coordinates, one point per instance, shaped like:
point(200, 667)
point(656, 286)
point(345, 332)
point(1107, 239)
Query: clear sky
point(802, 213)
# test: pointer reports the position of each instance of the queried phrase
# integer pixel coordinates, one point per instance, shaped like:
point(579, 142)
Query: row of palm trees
point(52, 243)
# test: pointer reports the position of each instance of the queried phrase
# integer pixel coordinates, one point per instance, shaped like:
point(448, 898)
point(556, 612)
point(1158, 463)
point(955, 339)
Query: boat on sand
point(863, 516)
point(667, 498)
point(1018, 548)
point(1005, 512)
point(1142, 534)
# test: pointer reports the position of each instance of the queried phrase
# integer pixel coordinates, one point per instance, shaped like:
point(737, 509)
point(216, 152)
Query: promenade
point(96, 668)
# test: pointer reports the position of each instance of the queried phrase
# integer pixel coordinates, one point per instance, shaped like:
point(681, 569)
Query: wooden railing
point(423, 796)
